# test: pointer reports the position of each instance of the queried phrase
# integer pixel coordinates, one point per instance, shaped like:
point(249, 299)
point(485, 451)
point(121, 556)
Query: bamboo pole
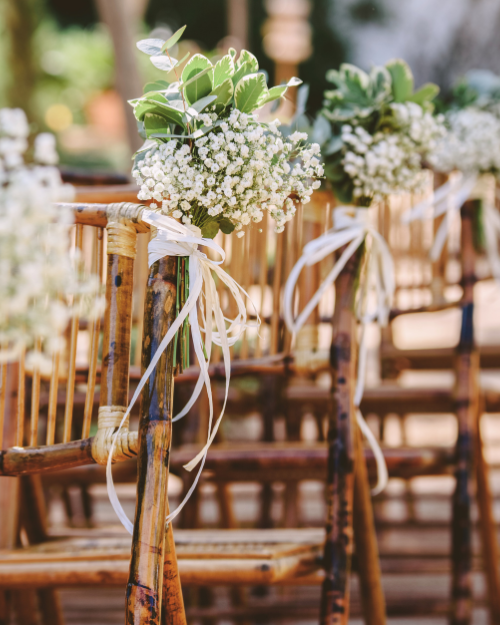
point(70, 384)
point(365, 540)
point(144, 589)
point(21, 396)
point(3, 396)
point(172, 612)
point(334, 607)
point(52, 409)
point(467, 364)
point(35, 398)
point(487, 528)
point(94, 342)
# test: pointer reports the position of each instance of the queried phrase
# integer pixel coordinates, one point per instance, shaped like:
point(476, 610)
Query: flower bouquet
point(469, 153)
point(376, 132)
point(208, 165)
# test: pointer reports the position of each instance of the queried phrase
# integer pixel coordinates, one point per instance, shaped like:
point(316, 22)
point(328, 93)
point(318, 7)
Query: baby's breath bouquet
point(208, 161)
point(376, 131)
point(41, 286)
point(472, 118)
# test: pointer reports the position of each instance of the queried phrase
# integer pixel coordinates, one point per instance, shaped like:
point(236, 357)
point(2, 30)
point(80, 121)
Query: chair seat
point(271, 462)
point(435, 358)
point(213, 556)
point(393, 399)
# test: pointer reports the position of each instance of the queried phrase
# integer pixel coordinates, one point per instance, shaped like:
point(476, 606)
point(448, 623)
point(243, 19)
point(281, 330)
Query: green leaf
point(163, 62)
point(334, 145)
point(157, 97)
point(199, 105)
point(226, 225)
point(223, 69)
point(242, 70)
point(380, 83)
point(248, 57)
point(210, 230)
point(249, 92)
point(158, 85)
point(173, 39)
point(279, 91)
point(426, 93)
point(172, 115)
point(154, 124)
point(354, 81)
point(196, 78)
point(141, 130)
point(402, 79)
point(232, 53)
point(224, 93)
point(150, 46)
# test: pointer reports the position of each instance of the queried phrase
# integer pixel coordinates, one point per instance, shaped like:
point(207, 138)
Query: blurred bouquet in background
point(376, 132)
point(472, 140)
point(41, 284)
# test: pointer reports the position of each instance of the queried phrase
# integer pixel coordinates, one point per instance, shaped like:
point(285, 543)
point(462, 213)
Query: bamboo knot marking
point(109, 420)
point(122, 239)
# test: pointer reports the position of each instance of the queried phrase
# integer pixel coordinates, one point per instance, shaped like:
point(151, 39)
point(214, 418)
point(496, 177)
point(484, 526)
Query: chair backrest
point(109, 230)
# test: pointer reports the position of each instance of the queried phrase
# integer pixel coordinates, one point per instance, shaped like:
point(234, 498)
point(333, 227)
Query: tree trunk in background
point(237, 23)
point(115, 14)
point(20, 24)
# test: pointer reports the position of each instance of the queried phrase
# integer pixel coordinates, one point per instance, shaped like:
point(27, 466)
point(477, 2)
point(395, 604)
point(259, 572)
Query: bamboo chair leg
point(365, 540)
point(5, 607)
point(467, 367)
point(34, 521)
point(334, 607)
point(25, 606)
point(51, 610)
point(145, 585)
point(487, 528)
point(172, 612)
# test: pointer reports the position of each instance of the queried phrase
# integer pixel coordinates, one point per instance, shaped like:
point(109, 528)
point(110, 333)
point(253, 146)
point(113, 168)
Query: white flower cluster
point(390, 161)
point(40, 284)
point(238, 170)
point(471, 144)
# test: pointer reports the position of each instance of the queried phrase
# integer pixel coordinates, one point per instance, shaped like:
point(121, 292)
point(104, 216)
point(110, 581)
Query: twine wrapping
point(122, 239)
point(351, 228)
point(108, 422)
point(175, 239)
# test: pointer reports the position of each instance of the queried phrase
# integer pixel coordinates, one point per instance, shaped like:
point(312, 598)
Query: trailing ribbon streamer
point(175, 239)
point(448, 199)
point(351, 228)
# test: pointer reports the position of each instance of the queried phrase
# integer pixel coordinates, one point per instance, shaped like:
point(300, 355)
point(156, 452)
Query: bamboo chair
point(268, 558)
point(466, 401)
point(288, 463)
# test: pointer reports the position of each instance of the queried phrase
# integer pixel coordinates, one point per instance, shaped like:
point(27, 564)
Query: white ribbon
point(351, 228)
point(448, 199)
point(175, 239)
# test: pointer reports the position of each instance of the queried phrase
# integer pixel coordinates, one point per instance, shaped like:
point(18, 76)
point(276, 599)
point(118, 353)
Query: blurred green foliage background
point(57, 62)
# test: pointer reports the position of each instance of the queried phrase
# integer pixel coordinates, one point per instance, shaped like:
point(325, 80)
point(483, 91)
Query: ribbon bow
point(351, 228)
point(175, 239)
point(448, 199)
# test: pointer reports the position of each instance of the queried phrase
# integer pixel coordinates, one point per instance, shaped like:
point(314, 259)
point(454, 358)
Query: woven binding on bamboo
point(127, 212)
point(108, 422)
point(122, 239)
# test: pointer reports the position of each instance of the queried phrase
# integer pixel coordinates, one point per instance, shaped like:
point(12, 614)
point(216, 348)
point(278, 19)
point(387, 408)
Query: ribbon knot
point(351, 227)
point(448, 199)
point(175, 239)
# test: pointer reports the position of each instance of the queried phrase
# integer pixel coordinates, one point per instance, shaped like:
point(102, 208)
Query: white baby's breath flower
point(41, 285)
point(238, 170)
